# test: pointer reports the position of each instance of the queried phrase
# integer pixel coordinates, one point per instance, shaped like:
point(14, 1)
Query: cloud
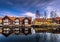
point(53, 6)
point(25, 4)
point(48, 9)
point(28, 14)
point(58, 13)
point(6, 13)
point(29, 7)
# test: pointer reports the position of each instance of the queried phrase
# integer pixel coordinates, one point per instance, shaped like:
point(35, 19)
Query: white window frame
point(6, 22)
point(26, 21)
point(16, 22)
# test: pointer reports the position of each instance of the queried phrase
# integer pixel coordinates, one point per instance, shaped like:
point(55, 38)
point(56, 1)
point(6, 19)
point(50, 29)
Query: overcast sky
point(28, 7)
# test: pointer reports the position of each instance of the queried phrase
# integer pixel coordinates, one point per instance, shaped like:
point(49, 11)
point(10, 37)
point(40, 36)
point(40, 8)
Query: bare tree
point(45, 15)
point(53, 15)
point(37, 14)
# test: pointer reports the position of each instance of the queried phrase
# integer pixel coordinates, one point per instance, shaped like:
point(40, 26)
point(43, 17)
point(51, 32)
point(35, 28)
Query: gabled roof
point(12, 18)
point(49, 18)
point(57, 18)
point(9, 17)
point(39, 19)
point(30, 18)
point(0, 18)
point(21, 18)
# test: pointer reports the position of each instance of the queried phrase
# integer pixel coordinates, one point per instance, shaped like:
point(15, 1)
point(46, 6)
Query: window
point(59, 21)
point(6, 22)
point(20, 22)
point(26, 21)
point(16, 22)
point(16, 30)
point(6, 30)
point(26, 30)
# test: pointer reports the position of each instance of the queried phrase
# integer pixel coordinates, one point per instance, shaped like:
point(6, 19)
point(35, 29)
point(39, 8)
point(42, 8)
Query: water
point(41, 37)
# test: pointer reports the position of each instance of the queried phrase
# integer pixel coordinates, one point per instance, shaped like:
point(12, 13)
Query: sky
point(28, 7)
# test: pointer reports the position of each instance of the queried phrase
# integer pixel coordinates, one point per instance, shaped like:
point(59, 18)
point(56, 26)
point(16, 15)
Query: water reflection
point(39, 37)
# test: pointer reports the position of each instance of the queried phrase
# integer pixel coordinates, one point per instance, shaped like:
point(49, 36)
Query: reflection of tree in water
point(45, 37)
point(41, 37)
point(37, 37)
point(53, 38)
